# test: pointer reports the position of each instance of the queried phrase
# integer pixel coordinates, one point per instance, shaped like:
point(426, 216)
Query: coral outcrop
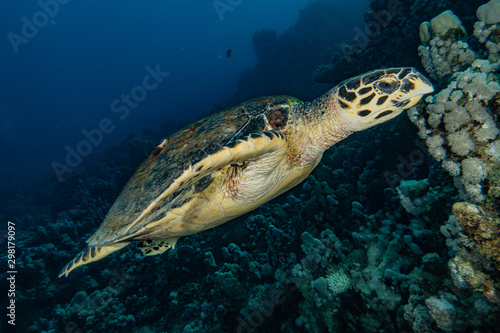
point(489, 13)
point(444, 49)
point(460, 126)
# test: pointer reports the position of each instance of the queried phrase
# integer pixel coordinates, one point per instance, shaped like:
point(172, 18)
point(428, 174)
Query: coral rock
point(447, 23)
point(483, 227)
point(442, 312)
point(489, 12)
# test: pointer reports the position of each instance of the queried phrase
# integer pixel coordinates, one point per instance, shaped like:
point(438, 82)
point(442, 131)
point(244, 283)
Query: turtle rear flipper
point(90, 254)
point(157, 246)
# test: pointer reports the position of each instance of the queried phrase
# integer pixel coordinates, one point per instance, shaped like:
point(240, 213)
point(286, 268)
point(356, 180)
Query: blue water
point(63, 78)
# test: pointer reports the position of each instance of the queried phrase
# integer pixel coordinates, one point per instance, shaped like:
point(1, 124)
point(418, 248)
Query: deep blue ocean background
point(64, 79)
point(371, 241)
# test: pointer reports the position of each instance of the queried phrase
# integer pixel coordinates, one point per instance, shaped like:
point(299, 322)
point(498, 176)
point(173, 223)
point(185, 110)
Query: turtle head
point(375, 97)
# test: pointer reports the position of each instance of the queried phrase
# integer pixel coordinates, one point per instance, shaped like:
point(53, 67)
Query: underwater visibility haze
point(353, 148)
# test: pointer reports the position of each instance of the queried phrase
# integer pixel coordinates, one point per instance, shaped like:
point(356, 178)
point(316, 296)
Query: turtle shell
point(175, 155)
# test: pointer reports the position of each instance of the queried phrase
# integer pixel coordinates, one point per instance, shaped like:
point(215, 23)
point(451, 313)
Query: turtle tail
point(90, 254)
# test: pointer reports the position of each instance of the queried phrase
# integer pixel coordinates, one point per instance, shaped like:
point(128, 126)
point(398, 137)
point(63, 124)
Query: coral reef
point(482, 227)
point(461, 127)
point(301, 262)
point(488, 36)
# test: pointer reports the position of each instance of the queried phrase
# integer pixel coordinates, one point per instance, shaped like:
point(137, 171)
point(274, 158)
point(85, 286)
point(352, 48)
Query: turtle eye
point(388, 87)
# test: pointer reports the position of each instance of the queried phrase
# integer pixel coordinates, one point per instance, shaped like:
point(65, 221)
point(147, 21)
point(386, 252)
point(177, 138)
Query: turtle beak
point(424, 84)
point(415, 85)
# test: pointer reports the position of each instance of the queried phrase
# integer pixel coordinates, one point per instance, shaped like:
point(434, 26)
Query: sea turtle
point(233, 161)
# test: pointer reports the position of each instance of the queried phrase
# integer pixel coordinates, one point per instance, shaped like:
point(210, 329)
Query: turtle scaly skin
point(233, 161)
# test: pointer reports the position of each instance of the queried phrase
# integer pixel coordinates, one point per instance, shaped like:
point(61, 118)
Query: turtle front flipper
point(90, 254)
point(151, 247)
point(253, 147)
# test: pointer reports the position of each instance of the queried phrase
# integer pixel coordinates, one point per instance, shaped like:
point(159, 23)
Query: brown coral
point(483, 227)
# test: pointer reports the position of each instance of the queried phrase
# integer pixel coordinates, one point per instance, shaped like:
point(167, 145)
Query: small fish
point(229, 52)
